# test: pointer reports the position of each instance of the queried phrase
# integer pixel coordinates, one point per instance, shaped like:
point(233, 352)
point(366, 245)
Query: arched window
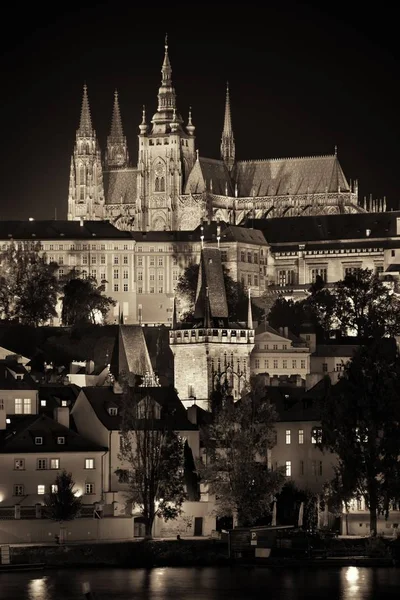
point(162, 184)
point(157, 185)
point(81, 174)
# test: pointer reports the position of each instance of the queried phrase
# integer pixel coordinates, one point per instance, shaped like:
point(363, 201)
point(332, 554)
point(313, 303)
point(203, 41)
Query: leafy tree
point(62, 504)
point(286, 313)
point(236, 468)
point(83, 301)
point(360, 419)
point(28, 284)
point(154, 455)
point(236, 295)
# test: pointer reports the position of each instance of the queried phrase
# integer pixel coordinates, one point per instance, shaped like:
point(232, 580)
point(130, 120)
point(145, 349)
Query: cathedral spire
point(166, 70)
point(117, 149)
point(85, 124)
point(166, 94)
point(228, 140)
point(116, 122)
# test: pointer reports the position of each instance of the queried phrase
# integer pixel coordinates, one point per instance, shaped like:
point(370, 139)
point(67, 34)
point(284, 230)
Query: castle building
point(213, 352)
point(171, 187)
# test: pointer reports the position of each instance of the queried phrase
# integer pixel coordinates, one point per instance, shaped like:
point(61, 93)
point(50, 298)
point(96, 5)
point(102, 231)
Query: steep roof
point(19, 436)
point(291, 176)
point(101, 398)
point(59, 230)
point(120, 186)
point(211, 286)
point(286, 230)
point(133, 353)
point(209, 175)
point(23, 381)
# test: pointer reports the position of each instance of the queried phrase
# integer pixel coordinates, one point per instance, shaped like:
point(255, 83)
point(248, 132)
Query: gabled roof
point(290, 176)
point(6, 354)
point(20, 434)
point(324, 228)
point(59, 230)
point(209, 175)
point(9, 382)
point(104, 397)
point(133, 353)
point(120, 186)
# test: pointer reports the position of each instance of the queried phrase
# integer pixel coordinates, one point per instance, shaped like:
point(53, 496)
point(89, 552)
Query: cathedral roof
point(277, 177)
point(120, 186)
point(59, 230)
point(209, 175)
point(358, 226)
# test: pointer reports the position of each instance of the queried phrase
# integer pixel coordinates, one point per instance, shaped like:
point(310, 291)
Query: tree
point(236, 295)
point(84, 301)
point(360, 419)
point(62, 504)
point(28, 284)
point(154, 456)
point(364, 304)
point(236, 468)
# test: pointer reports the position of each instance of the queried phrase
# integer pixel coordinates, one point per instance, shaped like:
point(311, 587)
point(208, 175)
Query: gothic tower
point(227, 140)
point(117, 156)
point(86, 191)
point(213, 353)
point(166, 156)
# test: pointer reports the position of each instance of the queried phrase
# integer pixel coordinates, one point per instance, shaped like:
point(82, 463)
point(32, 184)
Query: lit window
point(61, 440)
point(63, 403)
point(301, 436)
point(41, 463)
point(54, 463)
point(89, 488)
point(27, 406)
point(54, 488)
point(89, 463)
point(18, 406)
point(288, 436)
point(19, 464)
point(316, 435)
point(43, 403)
point(288, 468)
point(41, 489)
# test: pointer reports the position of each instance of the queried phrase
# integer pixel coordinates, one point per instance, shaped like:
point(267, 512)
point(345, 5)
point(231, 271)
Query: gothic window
point(162, 184)
point(157, 185)
point(82, 174)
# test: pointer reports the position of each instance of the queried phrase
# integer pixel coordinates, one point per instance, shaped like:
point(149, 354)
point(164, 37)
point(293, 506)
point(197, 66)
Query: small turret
point(228, 140)
point(190, 127)
point(143, 125)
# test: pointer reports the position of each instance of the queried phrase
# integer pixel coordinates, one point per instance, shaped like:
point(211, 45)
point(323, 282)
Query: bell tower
point(166, 156)
point(86, 191)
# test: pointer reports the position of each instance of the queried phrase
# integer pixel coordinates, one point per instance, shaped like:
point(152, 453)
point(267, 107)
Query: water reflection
point(348, 583)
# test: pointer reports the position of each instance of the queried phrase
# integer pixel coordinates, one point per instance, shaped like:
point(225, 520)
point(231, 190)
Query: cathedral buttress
point(86, 191)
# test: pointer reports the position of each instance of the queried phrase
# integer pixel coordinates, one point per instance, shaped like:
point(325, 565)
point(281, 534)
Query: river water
point(346, 583)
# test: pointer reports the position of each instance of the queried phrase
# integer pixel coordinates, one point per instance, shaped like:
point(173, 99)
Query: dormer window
point(113, 411)
point(63, 403)
point(61, 440)
point(43, 403)
point(38, 441)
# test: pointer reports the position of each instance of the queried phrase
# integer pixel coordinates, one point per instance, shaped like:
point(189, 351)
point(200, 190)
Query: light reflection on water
point(348, 583)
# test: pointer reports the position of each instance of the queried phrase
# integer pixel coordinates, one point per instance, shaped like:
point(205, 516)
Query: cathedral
point(173, 188)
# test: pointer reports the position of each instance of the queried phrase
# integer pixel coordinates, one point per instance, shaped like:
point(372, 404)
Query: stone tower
point(213, 351)
point(86, 191)
point(166, 156)
point(227, 140)
point(117, 156)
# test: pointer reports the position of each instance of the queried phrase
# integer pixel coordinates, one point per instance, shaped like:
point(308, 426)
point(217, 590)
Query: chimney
point(61, 415)
point(191, 413)
point(81, 222)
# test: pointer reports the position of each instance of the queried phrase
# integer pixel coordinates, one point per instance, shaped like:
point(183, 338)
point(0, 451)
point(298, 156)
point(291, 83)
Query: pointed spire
point(174, 315)
point(166, 70)
point(228, 140)
point(85, 124)
point(190, 127)
point(116, 122)
point(143, 124)
point(249, 314)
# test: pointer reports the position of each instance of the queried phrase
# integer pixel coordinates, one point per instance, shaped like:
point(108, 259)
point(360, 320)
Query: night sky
point(303, 79)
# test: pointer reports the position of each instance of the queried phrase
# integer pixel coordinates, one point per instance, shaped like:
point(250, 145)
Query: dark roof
point(19, 436)
point(338, 350)
point(9, 382)
point(292, 176)
point(211, 284)
point(165, 236)
point(101, 398)
point(133, 353)
point(294, 403)
point(58, 230)
point(120, 186)
point(289, 230)
point(210, 175)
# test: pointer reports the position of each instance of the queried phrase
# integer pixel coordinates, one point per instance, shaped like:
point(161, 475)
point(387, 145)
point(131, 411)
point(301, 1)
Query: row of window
point(19, 489)
point(251, 279)
point(250, 257)
point(277, 363)
point(316, 468)
point(49, 463)
point(316, 436)
point(289, 276)
point(273, 346)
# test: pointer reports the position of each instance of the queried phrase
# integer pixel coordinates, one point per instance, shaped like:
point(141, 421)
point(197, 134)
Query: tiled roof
point(294, 403)
point(59, 230)
point(8, 382)
point(20, 434)
point(102, 397)
point(208, 173)
point(133, 353)
point(286, 230)
point(291, 176)
point(120, 186)
point(211, 277)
